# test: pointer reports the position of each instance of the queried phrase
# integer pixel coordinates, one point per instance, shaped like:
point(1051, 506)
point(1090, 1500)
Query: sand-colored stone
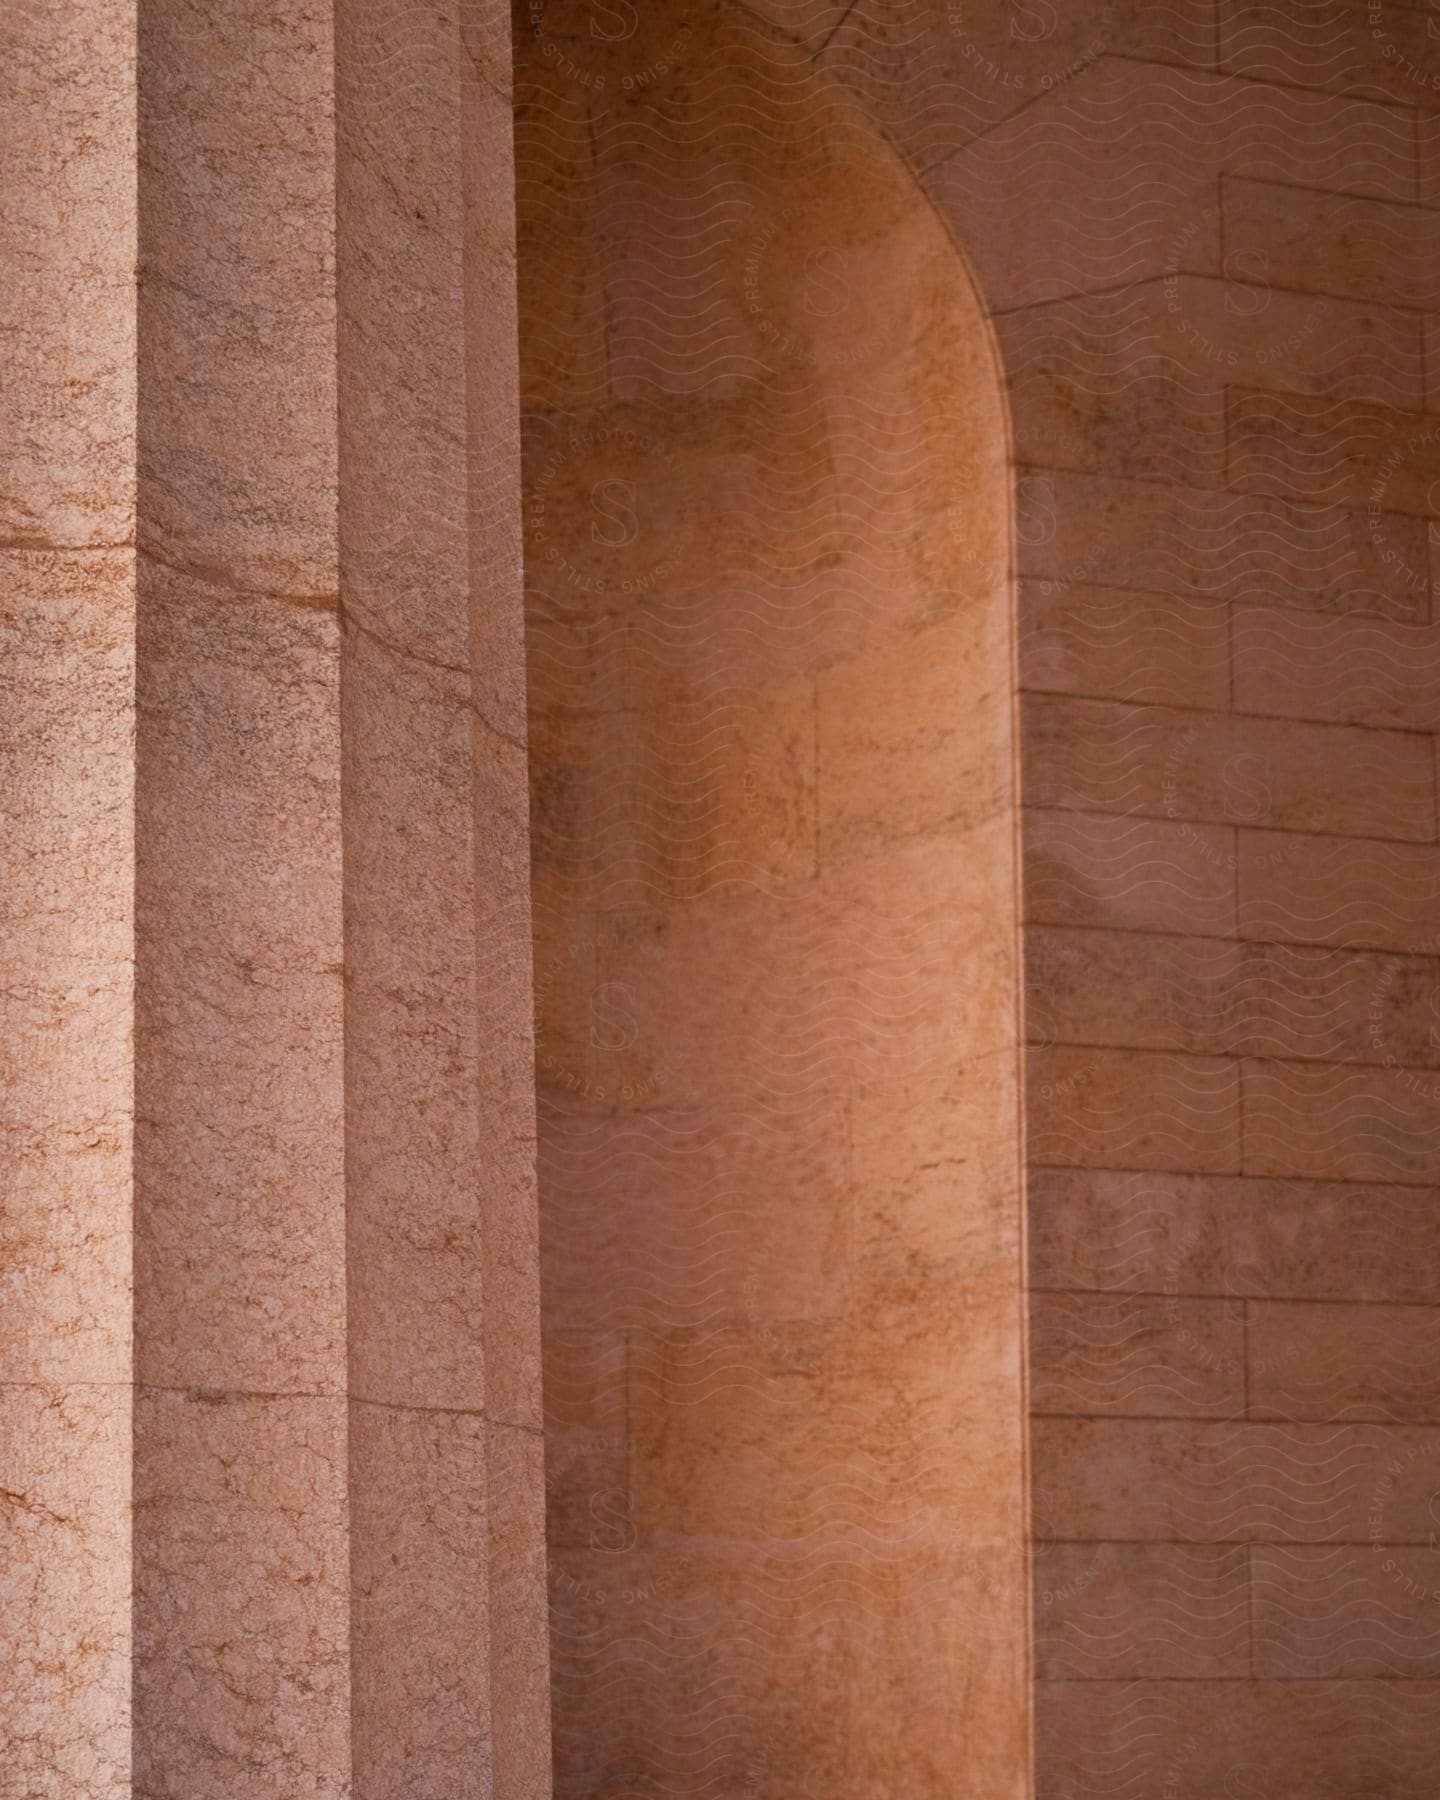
point(1099, 1354)
point(1103, 1108)
point(1350, 245)
point(70, 1646)
point(1113, 644)
point(67, 870)
point(1202, 1482)
point(1345, 1613)
point(1282, 1739)
point(1347, 1362)
point(1218, 768)
point(1109, 1231)
point(333, 1325)
point(242, 1594)
point(266, 298)
point(240, 1322)
point(1127, 1612)
point(772, 782)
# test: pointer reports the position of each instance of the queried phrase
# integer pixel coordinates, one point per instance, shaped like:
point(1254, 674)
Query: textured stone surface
point(238, 625)
point(771, 741)
point(67, 632)
point(773, 790)
point(240, 1317)
point(443, 1367)
point(1204, 230)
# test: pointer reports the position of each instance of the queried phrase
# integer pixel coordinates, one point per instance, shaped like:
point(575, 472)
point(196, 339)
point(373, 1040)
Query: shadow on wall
point(769, 607)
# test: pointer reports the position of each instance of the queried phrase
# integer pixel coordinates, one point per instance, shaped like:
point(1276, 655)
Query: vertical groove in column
point(240, 1536)
point(67, 419)
point(445, 1468)
point(520, 1672)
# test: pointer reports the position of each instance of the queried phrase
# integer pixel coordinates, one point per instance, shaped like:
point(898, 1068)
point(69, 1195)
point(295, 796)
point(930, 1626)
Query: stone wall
point(1201, 232)
point(947, 425)
point(769, 602)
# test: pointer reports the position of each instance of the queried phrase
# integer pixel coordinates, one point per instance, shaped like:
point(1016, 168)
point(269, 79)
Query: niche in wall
point(769, 605)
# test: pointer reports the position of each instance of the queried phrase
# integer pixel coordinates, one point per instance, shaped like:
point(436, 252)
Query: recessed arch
point(770, 617)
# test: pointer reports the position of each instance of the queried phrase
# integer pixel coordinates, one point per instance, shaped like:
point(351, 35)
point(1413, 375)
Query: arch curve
point(770, 615)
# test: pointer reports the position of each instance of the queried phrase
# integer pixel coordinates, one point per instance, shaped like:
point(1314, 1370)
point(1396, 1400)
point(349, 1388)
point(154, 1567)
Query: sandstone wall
point(1204, 233)
point(769, 601)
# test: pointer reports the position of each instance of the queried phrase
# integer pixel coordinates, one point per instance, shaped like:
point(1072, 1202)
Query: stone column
point(448, 1616)
point(67, 625)
point(241, 1542)
point(303, 408)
